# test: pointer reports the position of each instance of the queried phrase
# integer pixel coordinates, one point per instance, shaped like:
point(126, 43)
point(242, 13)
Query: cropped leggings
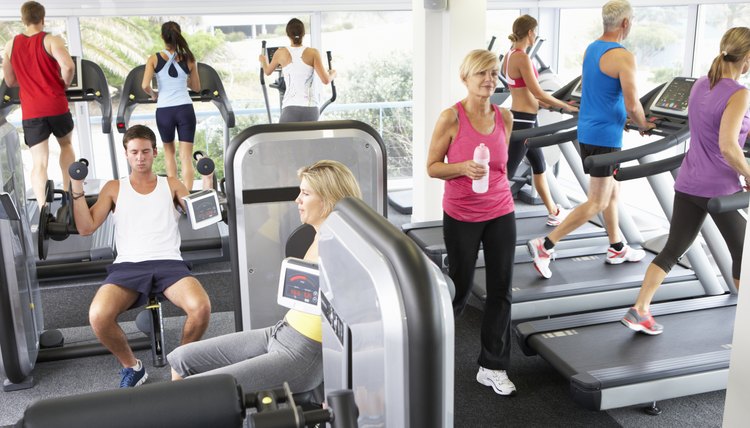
point(258, 359)
point(687, 218)
point(517, 151)
point(498, 239)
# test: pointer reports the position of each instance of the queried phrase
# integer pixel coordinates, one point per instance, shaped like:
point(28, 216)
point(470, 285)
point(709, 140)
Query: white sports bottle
point(482, 157)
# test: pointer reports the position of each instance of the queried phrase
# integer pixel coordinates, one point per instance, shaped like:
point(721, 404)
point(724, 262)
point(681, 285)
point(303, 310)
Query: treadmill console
point(672, 100)
point(77, 83)
point(577, 92)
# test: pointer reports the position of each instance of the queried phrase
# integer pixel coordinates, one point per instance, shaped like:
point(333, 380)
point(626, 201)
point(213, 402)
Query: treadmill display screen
point(673, 98)
point(77, 83)
point(578, 90)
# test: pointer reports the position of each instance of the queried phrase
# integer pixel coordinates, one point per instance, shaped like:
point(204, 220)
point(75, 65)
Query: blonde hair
point(735, 47)
point(332, 181)
point(521, 27)
point(613, 12)
point(477, 61)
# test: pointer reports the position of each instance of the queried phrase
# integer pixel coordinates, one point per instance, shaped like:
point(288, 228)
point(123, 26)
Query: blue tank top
point(602, 115)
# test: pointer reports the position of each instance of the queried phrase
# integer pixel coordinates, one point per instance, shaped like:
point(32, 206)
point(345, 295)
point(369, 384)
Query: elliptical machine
point(280, 85)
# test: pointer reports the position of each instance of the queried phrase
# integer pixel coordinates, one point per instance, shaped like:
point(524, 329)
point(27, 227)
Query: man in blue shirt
point(609, 98)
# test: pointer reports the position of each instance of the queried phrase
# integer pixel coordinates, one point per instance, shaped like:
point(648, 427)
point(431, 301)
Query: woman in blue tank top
point(176, 71)
point(719, 122)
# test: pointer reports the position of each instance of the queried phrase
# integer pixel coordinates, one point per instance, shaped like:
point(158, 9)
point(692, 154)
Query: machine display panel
point(299, 285)
point(673, 98)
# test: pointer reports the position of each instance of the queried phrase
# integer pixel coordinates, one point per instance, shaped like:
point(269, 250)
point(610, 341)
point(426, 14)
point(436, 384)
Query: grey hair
point(614, 11)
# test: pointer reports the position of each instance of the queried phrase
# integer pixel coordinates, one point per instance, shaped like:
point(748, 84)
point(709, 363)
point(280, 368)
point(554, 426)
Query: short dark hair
point(32, 13)
point(295, 29)
point(139, 131)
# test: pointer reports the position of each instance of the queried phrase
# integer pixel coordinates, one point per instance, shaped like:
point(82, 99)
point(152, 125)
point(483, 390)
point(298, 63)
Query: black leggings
point(498, 238)
point(688, 214)
point(517, 151)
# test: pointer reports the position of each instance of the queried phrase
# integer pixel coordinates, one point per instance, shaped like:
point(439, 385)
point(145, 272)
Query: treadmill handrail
point(638, 152)
point(649, 169)
point(552, 140)
point(518, 137)
point(733, 202)
point(211, 90)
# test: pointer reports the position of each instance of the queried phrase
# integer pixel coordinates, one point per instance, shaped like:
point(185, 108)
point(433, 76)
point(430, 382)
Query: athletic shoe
point(627, 254)
point(541, 256)
point(555, 219)
point(132, 378)
point(643, 323)
point(497, 379)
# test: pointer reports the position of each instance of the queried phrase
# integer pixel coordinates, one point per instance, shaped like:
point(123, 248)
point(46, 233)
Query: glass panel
point(500, 25)
point(226, 43)
point(657, 40)
point(372, 54)
point(713, 22)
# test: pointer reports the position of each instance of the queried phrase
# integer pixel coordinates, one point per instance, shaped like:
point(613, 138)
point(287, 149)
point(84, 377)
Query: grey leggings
point(299, 114)
point(258, 359)
point(688, 214)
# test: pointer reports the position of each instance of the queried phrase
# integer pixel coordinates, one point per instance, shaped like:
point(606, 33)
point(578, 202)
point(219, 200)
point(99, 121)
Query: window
point(500, 25)
point(657, 40)
point(713, 22)
point(372, 54)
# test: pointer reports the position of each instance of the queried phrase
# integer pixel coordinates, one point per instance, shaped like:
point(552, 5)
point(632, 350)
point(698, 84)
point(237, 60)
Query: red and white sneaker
point(541, 256)
point(627, 254)
point(554, 220)
point(643, 323)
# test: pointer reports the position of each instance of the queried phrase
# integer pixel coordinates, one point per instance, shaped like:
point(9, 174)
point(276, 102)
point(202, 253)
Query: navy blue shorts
point(600, 171)
point(147, 278)
point(181, 118)
point(39, 129)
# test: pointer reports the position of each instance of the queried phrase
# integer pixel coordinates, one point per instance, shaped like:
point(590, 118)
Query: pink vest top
point(459, 200)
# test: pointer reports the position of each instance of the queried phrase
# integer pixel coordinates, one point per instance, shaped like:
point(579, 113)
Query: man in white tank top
point(148, 260)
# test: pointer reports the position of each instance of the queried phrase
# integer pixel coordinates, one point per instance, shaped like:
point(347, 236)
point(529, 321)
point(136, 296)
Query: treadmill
point(76, 254)
point(609, 366)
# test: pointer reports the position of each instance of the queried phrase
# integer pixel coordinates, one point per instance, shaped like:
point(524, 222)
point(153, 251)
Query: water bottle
point(482, 157)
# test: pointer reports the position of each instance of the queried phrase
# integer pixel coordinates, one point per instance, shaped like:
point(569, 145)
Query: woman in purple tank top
point(719, 123)
point(471, 218)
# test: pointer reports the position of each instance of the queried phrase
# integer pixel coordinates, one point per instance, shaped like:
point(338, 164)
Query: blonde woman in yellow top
point(291, 350)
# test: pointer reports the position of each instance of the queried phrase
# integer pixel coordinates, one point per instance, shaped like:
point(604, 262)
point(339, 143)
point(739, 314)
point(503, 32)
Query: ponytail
point(172, 36)
point(735, 46)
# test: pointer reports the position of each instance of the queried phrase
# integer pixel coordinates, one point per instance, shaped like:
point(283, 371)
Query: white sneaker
point(497, 379)
point(555, 219)
point(541, 256)
point(627, 254)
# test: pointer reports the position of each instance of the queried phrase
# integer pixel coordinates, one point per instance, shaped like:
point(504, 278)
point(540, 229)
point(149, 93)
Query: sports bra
point(519, 82)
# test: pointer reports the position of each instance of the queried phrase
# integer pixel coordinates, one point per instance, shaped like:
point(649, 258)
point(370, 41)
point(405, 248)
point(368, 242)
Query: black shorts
point(39, 129)
point(147, 278)
point(180, 117)
point(600, 171)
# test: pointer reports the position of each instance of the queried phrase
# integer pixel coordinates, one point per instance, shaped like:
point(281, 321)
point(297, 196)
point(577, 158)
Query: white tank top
point(298, 76)
point(146, 225)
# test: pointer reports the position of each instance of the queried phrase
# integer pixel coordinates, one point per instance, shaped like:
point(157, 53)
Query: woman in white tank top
point(298, 64)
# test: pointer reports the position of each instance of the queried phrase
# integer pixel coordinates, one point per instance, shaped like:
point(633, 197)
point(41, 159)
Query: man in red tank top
point(40, 65)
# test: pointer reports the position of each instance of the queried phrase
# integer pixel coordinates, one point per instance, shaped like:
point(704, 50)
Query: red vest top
point(41, 88)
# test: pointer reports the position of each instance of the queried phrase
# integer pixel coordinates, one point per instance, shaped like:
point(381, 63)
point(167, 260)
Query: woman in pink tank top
point(470, 218)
